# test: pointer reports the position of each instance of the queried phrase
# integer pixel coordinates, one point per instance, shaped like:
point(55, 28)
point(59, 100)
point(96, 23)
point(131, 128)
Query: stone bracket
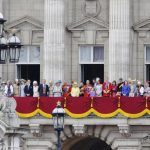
point(124, 129)
point(36, 130)
point(79, 129)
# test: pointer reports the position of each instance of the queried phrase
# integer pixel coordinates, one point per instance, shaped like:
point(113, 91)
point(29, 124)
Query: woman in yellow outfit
point(75, 91)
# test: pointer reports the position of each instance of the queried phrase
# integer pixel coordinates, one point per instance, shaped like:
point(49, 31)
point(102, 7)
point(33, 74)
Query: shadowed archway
point(86, 143)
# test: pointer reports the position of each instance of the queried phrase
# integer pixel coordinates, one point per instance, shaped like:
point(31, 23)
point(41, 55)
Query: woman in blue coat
point(125, 89)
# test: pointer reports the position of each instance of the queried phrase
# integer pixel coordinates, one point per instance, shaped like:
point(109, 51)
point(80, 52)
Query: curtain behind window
point(98, 54)
point(85, 54)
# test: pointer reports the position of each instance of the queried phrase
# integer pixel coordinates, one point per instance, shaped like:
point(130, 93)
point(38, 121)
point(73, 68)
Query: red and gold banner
point(79, 107)
point(26, 106)
point(105, 106)
point(133, 107)
point(46, 105)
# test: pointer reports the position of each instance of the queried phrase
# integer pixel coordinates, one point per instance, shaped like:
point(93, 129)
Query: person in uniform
point(66, 88)
point(107, 88)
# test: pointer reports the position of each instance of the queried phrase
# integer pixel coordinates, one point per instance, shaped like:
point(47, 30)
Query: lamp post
point(9, 49)
point(58, 120)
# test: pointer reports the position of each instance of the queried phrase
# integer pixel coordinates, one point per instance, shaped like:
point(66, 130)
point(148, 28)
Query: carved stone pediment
point(88, 23)
point(143, 25)
point(25, 22)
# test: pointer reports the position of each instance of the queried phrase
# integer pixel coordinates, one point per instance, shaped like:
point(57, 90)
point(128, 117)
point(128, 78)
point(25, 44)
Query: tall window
point(147, 62)
point(147, 55)
point(29, 55)
point(91, 55)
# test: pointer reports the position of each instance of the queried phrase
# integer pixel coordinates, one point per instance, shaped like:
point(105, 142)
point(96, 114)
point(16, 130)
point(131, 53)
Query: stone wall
point(28, 18)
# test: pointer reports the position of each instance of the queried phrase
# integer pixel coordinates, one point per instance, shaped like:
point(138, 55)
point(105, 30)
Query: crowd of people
point(23, 88)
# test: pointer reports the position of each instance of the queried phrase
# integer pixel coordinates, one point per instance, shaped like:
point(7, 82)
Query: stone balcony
point(120, 132)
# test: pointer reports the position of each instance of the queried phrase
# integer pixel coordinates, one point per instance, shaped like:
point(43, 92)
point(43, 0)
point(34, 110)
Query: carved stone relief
point(91, 8)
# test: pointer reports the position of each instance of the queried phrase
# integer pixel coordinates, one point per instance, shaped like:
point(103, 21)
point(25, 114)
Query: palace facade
point(77, 40)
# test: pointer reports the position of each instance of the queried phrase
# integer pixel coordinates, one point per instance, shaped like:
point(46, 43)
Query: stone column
point(53, 55)
point(15, 141)
point(119, 39)
point(1, 6)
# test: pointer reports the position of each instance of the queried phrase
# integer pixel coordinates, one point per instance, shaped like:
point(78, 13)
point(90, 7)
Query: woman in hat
point(87, 89)
point(35, 89)
point(146, 89)
point(16, 88)
point(9, 89)
point(75, 91)
point(98, 89)
point(22, 86)
point(126, 89)
point(51, 88)
point(57, 91)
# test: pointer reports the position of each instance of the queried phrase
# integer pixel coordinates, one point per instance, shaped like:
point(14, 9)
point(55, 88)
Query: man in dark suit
point(43, 88)
point(28, 89)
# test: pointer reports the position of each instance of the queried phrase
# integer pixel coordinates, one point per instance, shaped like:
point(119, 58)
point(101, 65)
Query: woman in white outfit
point(35, 89)
point(9, 91)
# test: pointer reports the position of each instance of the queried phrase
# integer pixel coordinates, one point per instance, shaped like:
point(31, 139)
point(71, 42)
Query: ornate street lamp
point(9, 49)
point(58, 120)
point(14, 47)
point(2, 21)
point(3, 50)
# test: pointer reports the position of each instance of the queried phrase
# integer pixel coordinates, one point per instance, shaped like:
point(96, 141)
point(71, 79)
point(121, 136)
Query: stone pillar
point(15, 141)
point(119, 39)
point(53, 54)
point(1, 6)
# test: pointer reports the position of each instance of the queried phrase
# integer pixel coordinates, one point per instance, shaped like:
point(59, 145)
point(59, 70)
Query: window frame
point(28, 56)
point(92, 51)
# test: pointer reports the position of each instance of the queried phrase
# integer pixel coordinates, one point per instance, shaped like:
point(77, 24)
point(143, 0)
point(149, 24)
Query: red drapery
point(132, 105)
point(46, 104)
point(78, 107)
point(105, 105)
point(26, 106)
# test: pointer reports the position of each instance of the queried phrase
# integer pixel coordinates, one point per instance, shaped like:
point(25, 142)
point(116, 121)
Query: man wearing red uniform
point(66, 88)
point(107, 88)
